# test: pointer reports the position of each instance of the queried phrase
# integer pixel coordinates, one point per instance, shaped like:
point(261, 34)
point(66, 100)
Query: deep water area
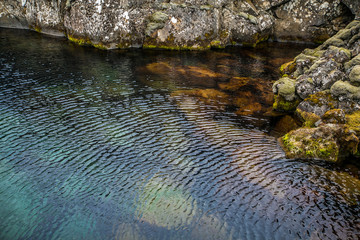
point(146, 144)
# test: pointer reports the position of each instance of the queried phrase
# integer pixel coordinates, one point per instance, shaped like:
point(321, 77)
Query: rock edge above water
point(180, 24)
point(322, 87)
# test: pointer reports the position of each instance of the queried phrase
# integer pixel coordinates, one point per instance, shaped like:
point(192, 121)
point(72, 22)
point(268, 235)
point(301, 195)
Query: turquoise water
point(94, 145)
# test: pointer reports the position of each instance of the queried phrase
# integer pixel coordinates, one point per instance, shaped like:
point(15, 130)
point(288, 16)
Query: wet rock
point(284, 125)
point(287, 68)
point(285, 99)
point(331, 142)
point(247, 96)
point(327, 84)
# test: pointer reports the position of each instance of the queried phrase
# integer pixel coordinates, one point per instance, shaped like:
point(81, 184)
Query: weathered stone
point(339, 55)
point(314, 107)
point(304, 86)
point(354, 7)
point(334, 116)
point(285, 87)
point(331, 142)
point(354, 76)
point(345, 91)
point(180, 24)
point(353, 62)
point(299, 20)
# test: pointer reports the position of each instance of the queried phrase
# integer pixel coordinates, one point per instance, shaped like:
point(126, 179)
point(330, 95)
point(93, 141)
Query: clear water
point(95, 146)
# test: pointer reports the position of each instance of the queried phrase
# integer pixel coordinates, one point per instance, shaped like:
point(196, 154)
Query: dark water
point(94, 145)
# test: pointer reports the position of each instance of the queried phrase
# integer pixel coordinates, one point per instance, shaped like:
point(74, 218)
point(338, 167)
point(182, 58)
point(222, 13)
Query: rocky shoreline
point(322, 87)
point(180, 24)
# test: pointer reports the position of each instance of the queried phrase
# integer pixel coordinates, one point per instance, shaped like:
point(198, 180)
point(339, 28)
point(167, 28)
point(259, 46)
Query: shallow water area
point(135, 144)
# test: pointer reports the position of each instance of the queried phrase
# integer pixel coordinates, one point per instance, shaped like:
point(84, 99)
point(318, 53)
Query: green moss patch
point(309, 143)
point(281, 105)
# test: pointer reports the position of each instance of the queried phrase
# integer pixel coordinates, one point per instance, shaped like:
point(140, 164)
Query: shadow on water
point(155, 145)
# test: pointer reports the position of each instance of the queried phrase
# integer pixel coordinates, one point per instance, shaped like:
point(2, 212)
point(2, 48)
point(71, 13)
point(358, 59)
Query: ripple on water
point(95, 145)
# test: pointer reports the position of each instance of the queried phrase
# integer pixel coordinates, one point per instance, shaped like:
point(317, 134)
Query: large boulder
point(331, 142)
point(313, 21)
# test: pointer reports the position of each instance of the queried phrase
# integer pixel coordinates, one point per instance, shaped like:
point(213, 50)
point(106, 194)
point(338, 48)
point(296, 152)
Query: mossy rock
point(304, 57)
point(353, 121)
point(353, 62)
point(330, 142)
point(300, 143)
point(334, 41)
point(321, 98)
point(308, 118)
point(354, 75)
point(206, 7)
point(344, 34)
point(312, 108)
point(285, 87)
point(353, 24)
point(334, 116)
point(288, 68)
point(152, 27)
point(86, 42)
point(340, 55)
point(345, 90)
point(317, 53)
point(159, 17)
point(281, 105)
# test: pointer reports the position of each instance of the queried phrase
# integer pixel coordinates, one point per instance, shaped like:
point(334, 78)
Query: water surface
point(115, 145)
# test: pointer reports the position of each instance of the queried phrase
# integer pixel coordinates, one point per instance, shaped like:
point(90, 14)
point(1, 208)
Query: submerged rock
point(327, 84)
point(247, 96)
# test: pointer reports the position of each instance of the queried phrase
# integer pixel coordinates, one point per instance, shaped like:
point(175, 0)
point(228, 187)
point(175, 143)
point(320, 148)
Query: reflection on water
point(154, 145)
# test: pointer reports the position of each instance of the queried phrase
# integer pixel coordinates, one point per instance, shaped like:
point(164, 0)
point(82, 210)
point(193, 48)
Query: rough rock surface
point(179, 24)
point(325, 96)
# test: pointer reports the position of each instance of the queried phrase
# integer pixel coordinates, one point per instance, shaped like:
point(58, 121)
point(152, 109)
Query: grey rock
point(304, 86)
point(178, 24)
point(339, 55)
